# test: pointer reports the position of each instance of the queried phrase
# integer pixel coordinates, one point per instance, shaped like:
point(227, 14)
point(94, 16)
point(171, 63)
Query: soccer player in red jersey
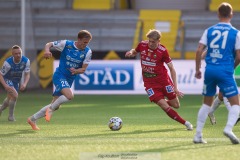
point(157, 82)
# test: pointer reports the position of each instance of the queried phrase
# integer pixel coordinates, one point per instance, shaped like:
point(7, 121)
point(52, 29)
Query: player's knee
point(176, 105)
point(70, 97)
point(14, 97)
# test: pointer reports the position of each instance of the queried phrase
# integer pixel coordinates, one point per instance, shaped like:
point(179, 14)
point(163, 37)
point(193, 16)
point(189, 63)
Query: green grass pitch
point(81, 126)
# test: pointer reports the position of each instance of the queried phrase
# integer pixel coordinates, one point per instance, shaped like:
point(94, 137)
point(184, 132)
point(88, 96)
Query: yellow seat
point(93, 4)
point(169, 23)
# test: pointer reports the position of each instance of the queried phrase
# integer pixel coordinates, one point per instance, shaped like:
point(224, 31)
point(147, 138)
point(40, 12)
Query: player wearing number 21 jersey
point(223, 55)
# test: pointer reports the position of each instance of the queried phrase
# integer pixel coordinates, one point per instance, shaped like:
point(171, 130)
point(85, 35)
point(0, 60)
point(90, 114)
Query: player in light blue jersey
point(223, 55)
point(74, 59)
point(11, 78)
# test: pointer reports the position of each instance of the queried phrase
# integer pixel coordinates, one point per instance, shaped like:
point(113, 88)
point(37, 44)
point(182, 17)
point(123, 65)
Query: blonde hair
point(154, 34)
point(84, 34)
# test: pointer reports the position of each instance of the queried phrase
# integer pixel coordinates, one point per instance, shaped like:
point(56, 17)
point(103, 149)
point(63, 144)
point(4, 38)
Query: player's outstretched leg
point(233, 138)
point(189, 126)
point(198, 139)
point(33, 124)
point(174, 115)
point(4, 105)
point(48, 114)
point(54, 106)
point(12, 104)
point(233, 115)
point(212, 118)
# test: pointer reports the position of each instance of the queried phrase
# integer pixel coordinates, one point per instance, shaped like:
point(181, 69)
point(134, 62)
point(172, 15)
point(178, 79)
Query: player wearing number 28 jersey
point(74, 60)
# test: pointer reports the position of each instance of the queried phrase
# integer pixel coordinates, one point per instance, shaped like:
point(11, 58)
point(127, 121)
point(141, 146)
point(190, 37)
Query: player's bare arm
point(198, 59)
point(26, 80)
point(174, 79)
point(79, 70)
point(131, 53)
point(237, 58)
point(47, 53)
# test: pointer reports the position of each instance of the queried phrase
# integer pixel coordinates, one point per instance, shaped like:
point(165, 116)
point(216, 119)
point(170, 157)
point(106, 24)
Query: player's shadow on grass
point(180, 147)
point(114, 133)
point(18, 132)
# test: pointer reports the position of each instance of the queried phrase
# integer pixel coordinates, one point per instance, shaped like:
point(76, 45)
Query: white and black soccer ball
point(115, 123)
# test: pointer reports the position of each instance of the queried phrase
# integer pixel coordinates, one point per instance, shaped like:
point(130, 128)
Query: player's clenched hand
point(198, 74)
point(22, 87)
point(73, 71)
point(129, 54)
point(47, 55)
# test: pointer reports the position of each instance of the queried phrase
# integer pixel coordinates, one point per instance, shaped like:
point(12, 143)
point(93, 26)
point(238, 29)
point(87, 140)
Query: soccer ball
point(115, 123)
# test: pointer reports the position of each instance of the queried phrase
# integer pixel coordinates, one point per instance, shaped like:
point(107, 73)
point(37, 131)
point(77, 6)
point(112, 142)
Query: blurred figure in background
point(74, 59)
point(157, 82)
point(11, 74)
point(223, 55)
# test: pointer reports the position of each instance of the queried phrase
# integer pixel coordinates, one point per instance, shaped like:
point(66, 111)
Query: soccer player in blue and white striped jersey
point(74, 59)
point(10, 77)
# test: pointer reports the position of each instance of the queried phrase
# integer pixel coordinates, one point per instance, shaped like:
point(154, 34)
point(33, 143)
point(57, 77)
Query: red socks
point(174, 115)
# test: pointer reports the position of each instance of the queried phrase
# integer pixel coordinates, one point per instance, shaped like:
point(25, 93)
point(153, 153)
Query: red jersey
point(152, 62)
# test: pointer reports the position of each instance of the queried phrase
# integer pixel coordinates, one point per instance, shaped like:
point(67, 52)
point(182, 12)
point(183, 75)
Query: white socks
point(233, 115)
point(12, 104)
point(226, 103)
point(40, 113)
point(5, 104)
point(62, 99)
point(216, 103)
point(202, 116)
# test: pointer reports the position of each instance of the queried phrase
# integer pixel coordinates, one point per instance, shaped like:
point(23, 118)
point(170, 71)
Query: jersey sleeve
point(237, 44)
point(166, 58)
point(59, 45)
point(203, 39)
point(137, 49)
point(27, 68)
point(5, 68)
point(88, 57)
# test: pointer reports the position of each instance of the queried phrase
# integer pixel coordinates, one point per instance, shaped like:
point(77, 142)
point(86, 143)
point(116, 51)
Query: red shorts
point(160, 91)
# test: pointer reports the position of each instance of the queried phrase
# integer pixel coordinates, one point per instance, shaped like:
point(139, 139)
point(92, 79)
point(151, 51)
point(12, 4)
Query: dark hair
point(16, 47)
point(84, 34)
point(225, 10)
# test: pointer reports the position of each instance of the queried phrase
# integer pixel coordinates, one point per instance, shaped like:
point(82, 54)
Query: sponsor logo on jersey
point(143, 52)
point(82, 56)
point(148, 63)
point(154, 56)
point(69, 46)
point(22, 65)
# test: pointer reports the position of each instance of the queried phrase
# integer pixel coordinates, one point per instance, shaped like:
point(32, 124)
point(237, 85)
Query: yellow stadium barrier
point(213, 5)
point(167, 21)
point(93, 4)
